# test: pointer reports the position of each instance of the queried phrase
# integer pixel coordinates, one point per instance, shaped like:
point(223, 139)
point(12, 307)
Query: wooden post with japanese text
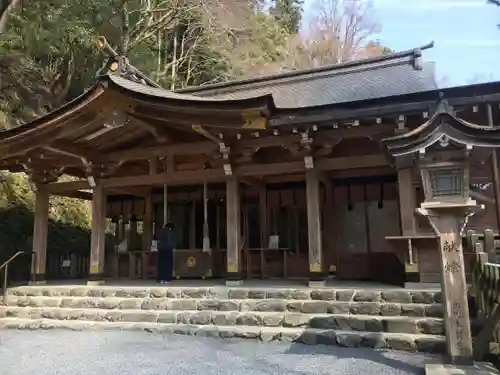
point(446, 222)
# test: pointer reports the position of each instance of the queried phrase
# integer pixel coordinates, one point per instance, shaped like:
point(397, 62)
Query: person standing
point(166, 245)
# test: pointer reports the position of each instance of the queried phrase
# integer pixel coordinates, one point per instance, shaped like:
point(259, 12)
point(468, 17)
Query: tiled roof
point(391, 75)
point(158, 92)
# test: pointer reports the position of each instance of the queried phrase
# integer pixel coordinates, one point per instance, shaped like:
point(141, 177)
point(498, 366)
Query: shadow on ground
point(412, 364)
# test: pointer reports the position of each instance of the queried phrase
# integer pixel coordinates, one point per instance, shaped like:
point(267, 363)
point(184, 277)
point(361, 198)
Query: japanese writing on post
point(453, 267)
point(450, 246)
point(459, 328)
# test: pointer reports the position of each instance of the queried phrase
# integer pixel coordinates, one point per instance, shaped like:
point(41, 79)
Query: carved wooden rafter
point(157, 131)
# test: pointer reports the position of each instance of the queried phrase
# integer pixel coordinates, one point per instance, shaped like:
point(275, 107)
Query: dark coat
point(166, 239)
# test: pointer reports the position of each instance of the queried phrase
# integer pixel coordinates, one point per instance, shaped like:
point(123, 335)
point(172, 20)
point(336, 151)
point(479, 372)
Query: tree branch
point(6, 7)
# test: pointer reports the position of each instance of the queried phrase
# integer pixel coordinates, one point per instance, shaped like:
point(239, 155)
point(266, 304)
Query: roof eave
point(262, 102)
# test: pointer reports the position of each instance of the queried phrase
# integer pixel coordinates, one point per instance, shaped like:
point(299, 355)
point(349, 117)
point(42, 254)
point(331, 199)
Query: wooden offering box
point(192, 263)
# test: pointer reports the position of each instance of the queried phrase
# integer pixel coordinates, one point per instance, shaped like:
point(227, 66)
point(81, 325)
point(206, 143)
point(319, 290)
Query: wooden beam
point(204, 132)
point(334, 114)
point(75, 194)
point(327, 164)
point(196, 176)
point(175, 178)
point(190, 148)
point(70, 149)
point(59, 187)
point(324, 135)
point(253, 181)
point(209, 147)
point(157, 131)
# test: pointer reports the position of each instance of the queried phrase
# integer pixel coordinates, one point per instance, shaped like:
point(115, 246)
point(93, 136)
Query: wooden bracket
point(45, 176)
point(224, 151)
point(201, 130)
point(306, 141)
point(401, 122)
point(309, 162)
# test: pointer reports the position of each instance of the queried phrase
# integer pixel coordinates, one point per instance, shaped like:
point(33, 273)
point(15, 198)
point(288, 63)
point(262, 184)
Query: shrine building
point(284, 176)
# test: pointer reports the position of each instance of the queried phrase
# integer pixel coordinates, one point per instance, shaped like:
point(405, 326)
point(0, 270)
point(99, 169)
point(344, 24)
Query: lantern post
point(447, 205)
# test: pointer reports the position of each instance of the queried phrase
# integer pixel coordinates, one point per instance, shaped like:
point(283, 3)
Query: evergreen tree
point(288, 13)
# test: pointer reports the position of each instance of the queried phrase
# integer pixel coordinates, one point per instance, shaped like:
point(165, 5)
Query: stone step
point(311, 336)
point(412, 325)
point(435, 310)
point(323, 294)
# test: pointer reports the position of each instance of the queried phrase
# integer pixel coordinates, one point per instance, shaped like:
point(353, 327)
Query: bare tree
point(340, 30)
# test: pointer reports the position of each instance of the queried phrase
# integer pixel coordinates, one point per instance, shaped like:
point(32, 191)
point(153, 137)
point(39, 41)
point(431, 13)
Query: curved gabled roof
point(443, 123)
point(179, 99)
point(113, 87)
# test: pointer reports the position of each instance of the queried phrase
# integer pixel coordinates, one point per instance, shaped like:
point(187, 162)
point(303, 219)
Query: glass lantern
point(446, 182)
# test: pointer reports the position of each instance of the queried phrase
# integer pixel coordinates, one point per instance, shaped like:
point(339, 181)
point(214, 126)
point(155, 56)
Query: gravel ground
point(136, 353)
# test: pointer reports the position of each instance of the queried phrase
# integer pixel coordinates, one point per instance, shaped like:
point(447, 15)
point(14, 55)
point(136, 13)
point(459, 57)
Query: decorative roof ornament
point(120, 65)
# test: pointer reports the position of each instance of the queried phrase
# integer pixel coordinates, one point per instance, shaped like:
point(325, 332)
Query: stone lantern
point(442, 148)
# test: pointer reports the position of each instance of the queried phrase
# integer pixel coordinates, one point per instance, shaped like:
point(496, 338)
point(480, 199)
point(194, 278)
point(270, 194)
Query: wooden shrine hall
point(283, 176)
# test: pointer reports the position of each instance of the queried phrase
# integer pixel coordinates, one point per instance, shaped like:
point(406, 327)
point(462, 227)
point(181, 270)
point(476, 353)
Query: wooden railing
point(486, 291)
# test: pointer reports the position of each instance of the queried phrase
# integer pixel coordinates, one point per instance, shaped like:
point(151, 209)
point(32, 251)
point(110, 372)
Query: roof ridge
point(415, 53)
point(297, 79)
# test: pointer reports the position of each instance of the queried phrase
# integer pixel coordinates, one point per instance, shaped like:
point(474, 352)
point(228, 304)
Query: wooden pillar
point(407, 202)
point(457, 324)
point(147, 223)
point(147, 220)
point(206, 231)
point(192, 225)
point(97, 237)
point(329, 227)
point(264, 236)
point(316, 271)
point(40, 231)
point(233, 226)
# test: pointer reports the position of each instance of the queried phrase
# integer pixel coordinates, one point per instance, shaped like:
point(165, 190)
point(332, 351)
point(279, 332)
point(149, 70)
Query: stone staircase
point(392, 319)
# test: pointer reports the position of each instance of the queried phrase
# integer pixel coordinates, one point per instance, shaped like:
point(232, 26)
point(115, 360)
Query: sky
point(465, 34)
